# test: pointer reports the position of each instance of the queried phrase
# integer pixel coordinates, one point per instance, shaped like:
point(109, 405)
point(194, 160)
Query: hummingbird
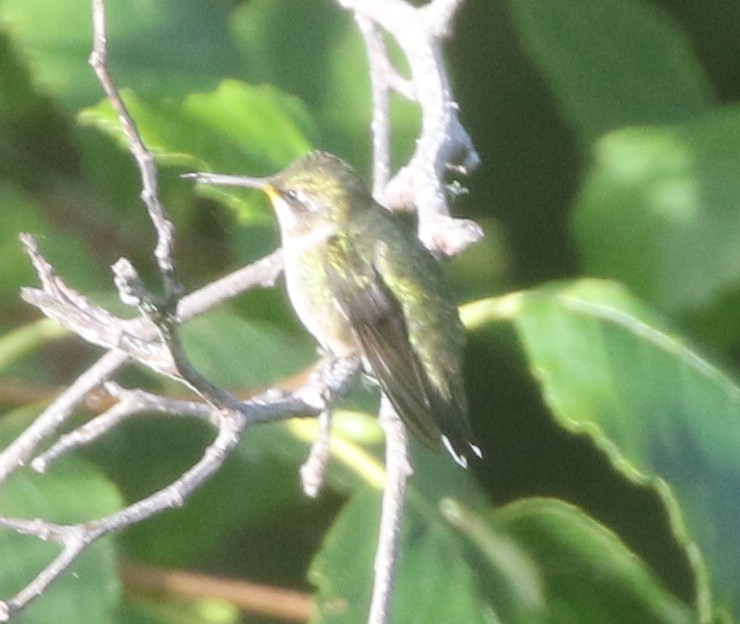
point(362, 284)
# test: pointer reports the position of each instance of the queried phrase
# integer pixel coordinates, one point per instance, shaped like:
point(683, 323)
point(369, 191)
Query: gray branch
point(331, 379)
point(21, 450)
point(92, 323)
point(164, 248)
point(312, 471)
point(398, 472)
point(443, 143)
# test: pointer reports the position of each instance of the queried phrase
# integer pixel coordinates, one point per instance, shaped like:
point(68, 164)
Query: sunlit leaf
point(659, 211)
point(168, 47)
point(664, 414)
point(237, 128)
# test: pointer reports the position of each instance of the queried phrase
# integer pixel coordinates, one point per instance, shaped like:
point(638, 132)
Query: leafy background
point(602, 307)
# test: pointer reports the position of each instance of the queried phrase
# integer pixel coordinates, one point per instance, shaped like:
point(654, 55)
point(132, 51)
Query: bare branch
point(25, 445)
point(144, 159)
point(92, 323)
point(443, 144)
point(312, 471)
point(75, 538)
point(152, 339)
point(331, 379)
point(129, 403)
point(381, 123)
point(264, 272)
point(398, 472)
point(438, 16)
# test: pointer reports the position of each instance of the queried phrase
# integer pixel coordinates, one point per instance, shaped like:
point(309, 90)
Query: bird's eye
point(292, 196)
point(297, 200)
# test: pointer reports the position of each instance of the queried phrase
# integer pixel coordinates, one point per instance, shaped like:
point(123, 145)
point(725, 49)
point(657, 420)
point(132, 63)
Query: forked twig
point(21, 450)
point(443, 143)
point(144, 159)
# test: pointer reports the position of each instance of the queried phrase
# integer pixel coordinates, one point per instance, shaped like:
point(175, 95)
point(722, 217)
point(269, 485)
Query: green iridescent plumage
point(361, 283)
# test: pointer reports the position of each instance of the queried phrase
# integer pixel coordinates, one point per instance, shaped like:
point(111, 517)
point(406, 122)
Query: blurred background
point(609, 140)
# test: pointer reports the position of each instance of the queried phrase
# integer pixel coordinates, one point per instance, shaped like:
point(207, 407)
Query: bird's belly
point(317, 309)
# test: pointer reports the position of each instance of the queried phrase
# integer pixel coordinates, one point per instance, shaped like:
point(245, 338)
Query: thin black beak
point(227, 180)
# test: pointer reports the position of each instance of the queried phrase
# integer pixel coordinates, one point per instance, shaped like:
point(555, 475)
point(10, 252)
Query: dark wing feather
point(378, 321)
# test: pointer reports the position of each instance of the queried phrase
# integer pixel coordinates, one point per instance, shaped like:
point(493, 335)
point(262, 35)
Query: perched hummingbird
point(362, 284)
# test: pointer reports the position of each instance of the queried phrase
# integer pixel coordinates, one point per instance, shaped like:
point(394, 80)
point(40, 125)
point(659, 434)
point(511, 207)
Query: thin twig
point(398, 472)
point(92, 323)
point(75, 538)
point(164, 249)
point(19, 452)
point(331, 380)
point(443, 143)
point(128, 403)
point(381, 123)
point(313, 469)
point(153, 339)
point(263, 272)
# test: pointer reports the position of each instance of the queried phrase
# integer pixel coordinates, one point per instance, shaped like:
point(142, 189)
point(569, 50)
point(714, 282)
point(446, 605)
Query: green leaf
point(240, 353)
point(89, 588)
point(535, 561)
point(27, 338)
point(315, 51)
point(459, 565)
point(612, 63)
point(434, 582)
point(65, 250)
point(663, 414)
point(237, 128)
point(659, 211)
point(163, 47)
point(589, 574)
